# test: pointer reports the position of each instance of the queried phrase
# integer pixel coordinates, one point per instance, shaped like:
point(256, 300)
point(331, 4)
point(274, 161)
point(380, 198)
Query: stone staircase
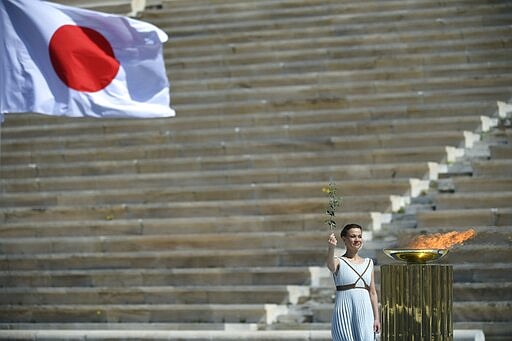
point(122, 7)
point(473, 192)
point(480, 200)
point(210, 225)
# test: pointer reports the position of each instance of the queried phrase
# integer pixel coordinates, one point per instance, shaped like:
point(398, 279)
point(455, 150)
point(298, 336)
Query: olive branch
point(334, 203)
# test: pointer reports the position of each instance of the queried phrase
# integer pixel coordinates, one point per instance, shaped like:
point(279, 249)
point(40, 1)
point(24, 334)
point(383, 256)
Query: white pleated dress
point(352, 317)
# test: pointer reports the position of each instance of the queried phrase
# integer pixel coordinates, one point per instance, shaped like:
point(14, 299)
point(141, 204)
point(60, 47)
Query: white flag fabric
point(66, 61)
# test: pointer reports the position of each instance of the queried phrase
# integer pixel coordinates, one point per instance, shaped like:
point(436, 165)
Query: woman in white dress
point(355, 315)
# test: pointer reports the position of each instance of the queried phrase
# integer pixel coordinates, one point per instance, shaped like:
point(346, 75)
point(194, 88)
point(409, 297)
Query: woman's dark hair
point(347, 227)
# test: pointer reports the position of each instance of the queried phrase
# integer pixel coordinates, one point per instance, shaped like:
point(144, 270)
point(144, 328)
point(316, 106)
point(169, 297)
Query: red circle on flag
point(83, 58)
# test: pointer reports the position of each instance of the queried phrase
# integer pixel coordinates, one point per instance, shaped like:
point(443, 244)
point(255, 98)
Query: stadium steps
point(156, 295)
point(480, 200)
point(40, 126)
point(196, 193)
point(188, 313)
point(219, 177)
point(165, 259)
point(184, 242)
point(246, 132)
point(275, 99)
point(252, 162)
point(174, 226)
point(178, 277)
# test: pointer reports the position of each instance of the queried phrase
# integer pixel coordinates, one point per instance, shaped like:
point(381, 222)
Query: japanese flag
point(66, 61)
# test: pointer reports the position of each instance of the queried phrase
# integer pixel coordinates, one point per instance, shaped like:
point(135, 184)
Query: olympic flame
point(441, 240)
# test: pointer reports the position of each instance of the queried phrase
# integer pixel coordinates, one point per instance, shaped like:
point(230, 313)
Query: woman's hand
point(332, 240)
point(376, 326)
point(332, 262)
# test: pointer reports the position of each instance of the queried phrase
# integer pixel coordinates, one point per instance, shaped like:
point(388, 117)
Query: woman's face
point(354, 239)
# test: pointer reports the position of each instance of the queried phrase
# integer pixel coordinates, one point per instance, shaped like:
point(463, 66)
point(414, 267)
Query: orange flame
point(441, 240)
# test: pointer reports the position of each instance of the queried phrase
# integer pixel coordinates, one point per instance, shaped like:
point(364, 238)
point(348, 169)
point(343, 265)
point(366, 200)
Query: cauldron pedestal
point(416, 302)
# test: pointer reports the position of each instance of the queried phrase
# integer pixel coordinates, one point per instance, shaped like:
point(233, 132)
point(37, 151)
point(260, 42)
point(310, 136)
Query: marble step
point(492, 168)
point(206, 209)
point(226, 6)
point(354, 172)
point(463, 331)
point(494, 331)
point(482, 292)
point(137, 194)
point(396, 51)
point(350, 67)
point(486, 331)
point(482, 311)
point(476, 22)
point(170, 259)
point(200, 313)
point(70, 135)
point(175, 226)
point(17, 128)
point(323, 37)
point(500, 137)
point(292, 333)
point(381, 77)
point(352, 101)
point(213, 277)
point(273, 92)
point(478, 274)
point(47, 166)
point(121, 7)
point(501, 152)
point(215, 258)
point(191, 12)
point(210, 242)
point(196, 335)
point(128, 326)
point(481, 184)
point(462, 218)
point(356, 54)
point(348, 23)
point(217, 157)
point(236, 294)
point(475, 200)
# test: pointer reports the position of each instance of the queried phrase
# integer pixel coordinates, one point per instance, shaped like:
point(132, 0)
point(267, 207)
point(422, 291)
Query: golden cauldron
point(420, 256)
point(416, 296)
